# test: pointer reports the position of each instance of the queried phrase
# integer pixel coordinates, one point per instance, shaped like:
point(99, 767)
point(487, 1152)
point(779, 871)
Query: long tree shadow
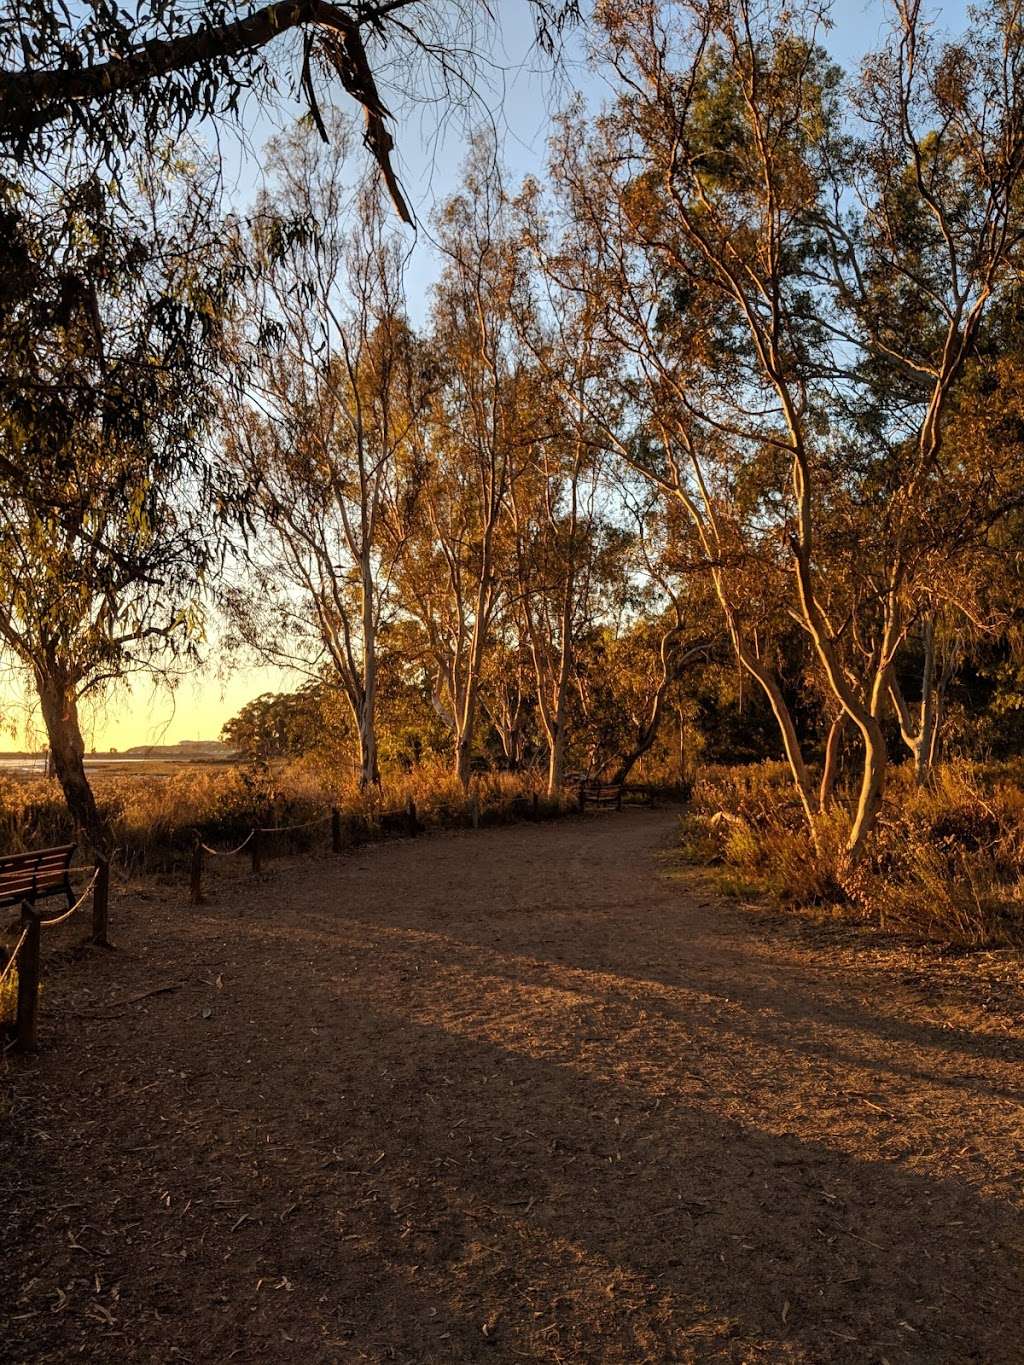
point(404, 1125)
point(443, 1183)
point(794, 1010)
point(673, 940)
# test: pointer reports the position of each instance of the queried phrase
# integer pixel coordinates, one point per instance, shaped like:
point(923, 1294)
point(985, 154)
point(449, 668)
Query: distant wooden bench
point(31, 877)
point(600, 794)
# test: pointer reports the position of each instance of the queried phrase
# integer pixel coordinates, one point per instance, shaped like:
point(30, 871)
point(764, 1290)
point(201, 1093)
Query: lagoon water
point(36, 764)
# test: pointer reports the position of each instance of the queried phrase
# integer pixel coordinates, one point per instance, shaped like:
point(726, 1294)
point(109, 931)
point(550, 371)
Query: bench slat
point(33, 893)
point(12, 862)
point(45, 877)
point(28, 865)
point(36, 875)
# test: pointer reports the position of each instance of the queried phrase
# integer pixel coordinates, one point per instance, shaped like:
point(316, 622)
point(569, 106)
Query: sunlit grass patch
point(946, 860)
point(153, 818)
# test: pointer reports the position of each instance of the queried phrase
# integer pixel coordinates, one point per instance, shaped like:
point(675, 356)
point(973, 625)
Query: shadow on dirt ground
point(522, 1094)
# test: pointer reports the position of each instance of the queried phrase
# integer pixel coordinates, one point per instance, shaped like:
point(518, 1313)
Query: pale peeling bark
point(830, 767)
point(920, 733)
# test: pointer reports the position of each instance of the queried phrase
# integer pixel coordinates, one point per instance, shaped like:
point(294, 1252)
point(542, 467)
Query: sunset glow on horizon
point(150, 712)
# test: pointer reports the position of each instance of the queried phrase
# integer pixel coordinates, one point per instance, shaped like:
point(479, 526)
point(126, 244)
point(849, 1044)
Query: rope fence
point(253, 841)
point(288, 829)
point(25, 954)
point(228, 852)
point(13, 957)
point(404, 821)
point(51, 920)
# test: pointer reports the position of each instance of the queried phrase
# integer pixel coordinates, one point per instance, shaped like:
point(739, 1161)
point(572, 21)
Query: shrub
point(946, 860)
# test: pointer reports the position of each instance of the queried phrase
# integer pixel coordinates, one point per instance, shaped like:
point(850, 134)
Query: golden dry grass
point(153, 816)
point(946, 861)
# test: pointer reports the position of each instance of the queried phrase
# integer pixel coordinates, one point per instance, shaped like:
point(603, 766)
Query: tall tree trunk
point(556, 754)
point(763, 675)
point(464, 718)
point(830, 767)
point(464, 757)
point(920, 735)
point(684, 761)
point(369, 769)
point(512, 738)
point(790, 740)
point(59, 708)
point(935, 747)
point(647, 732)
point(872, 789)
point(465, 707)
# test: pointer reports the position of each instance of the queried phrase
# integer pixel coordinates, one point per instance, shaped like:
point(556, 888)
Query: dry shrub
point(8, 995)
point(946, 860)
point(749, 820)
point(32, 815)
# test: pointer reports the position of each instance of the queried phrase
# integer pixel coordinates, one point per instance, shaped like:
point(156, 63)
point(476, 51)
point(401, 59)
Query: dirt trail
point(526, 1094)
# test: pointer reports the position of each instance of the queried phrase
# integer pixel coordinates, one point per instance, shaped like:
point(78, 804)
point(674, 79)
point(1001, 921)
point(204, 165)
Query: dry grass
point(8, 997)
point(154, 817)
point(946, 862)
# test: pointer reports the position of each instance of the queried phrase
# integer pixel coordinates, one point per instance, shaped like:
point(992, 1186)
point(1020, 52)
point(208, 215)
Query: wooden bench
point(600, 794)
point(26, 878)
point(29, 877)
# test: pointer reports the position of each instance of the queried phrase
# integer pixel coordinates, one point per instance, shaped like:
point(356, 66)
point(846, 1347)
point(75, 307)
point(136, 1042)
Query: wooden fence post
point(474, 810)
point(335, 830)
point(28, 980)
point(196, 885)
point(410, 814)
point(257, 851)
point(100, 904)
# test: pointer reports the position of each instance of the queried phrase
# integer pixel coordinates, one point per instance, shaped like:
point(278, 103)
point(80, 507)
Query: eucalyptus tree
point(967, 601)
point(105, 77)
point(559, 503)
point(481, 422)
point(507, 687)
point(557, 534)
point(804, 265)
point(107, 501)
point(327, 431)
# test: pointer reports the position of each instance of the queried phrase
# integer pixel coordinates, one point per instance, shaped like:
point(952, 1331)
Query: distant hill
point(187, 748)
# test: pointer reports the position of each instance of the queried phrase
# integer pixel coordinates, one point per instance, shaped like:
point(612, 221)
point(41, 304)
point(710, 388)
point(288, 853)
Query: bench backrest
point(36, 875)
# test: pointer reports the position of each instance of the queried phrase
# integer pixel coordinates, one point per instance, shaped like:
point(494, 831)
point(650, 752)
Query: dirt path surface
point(525, 1094)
